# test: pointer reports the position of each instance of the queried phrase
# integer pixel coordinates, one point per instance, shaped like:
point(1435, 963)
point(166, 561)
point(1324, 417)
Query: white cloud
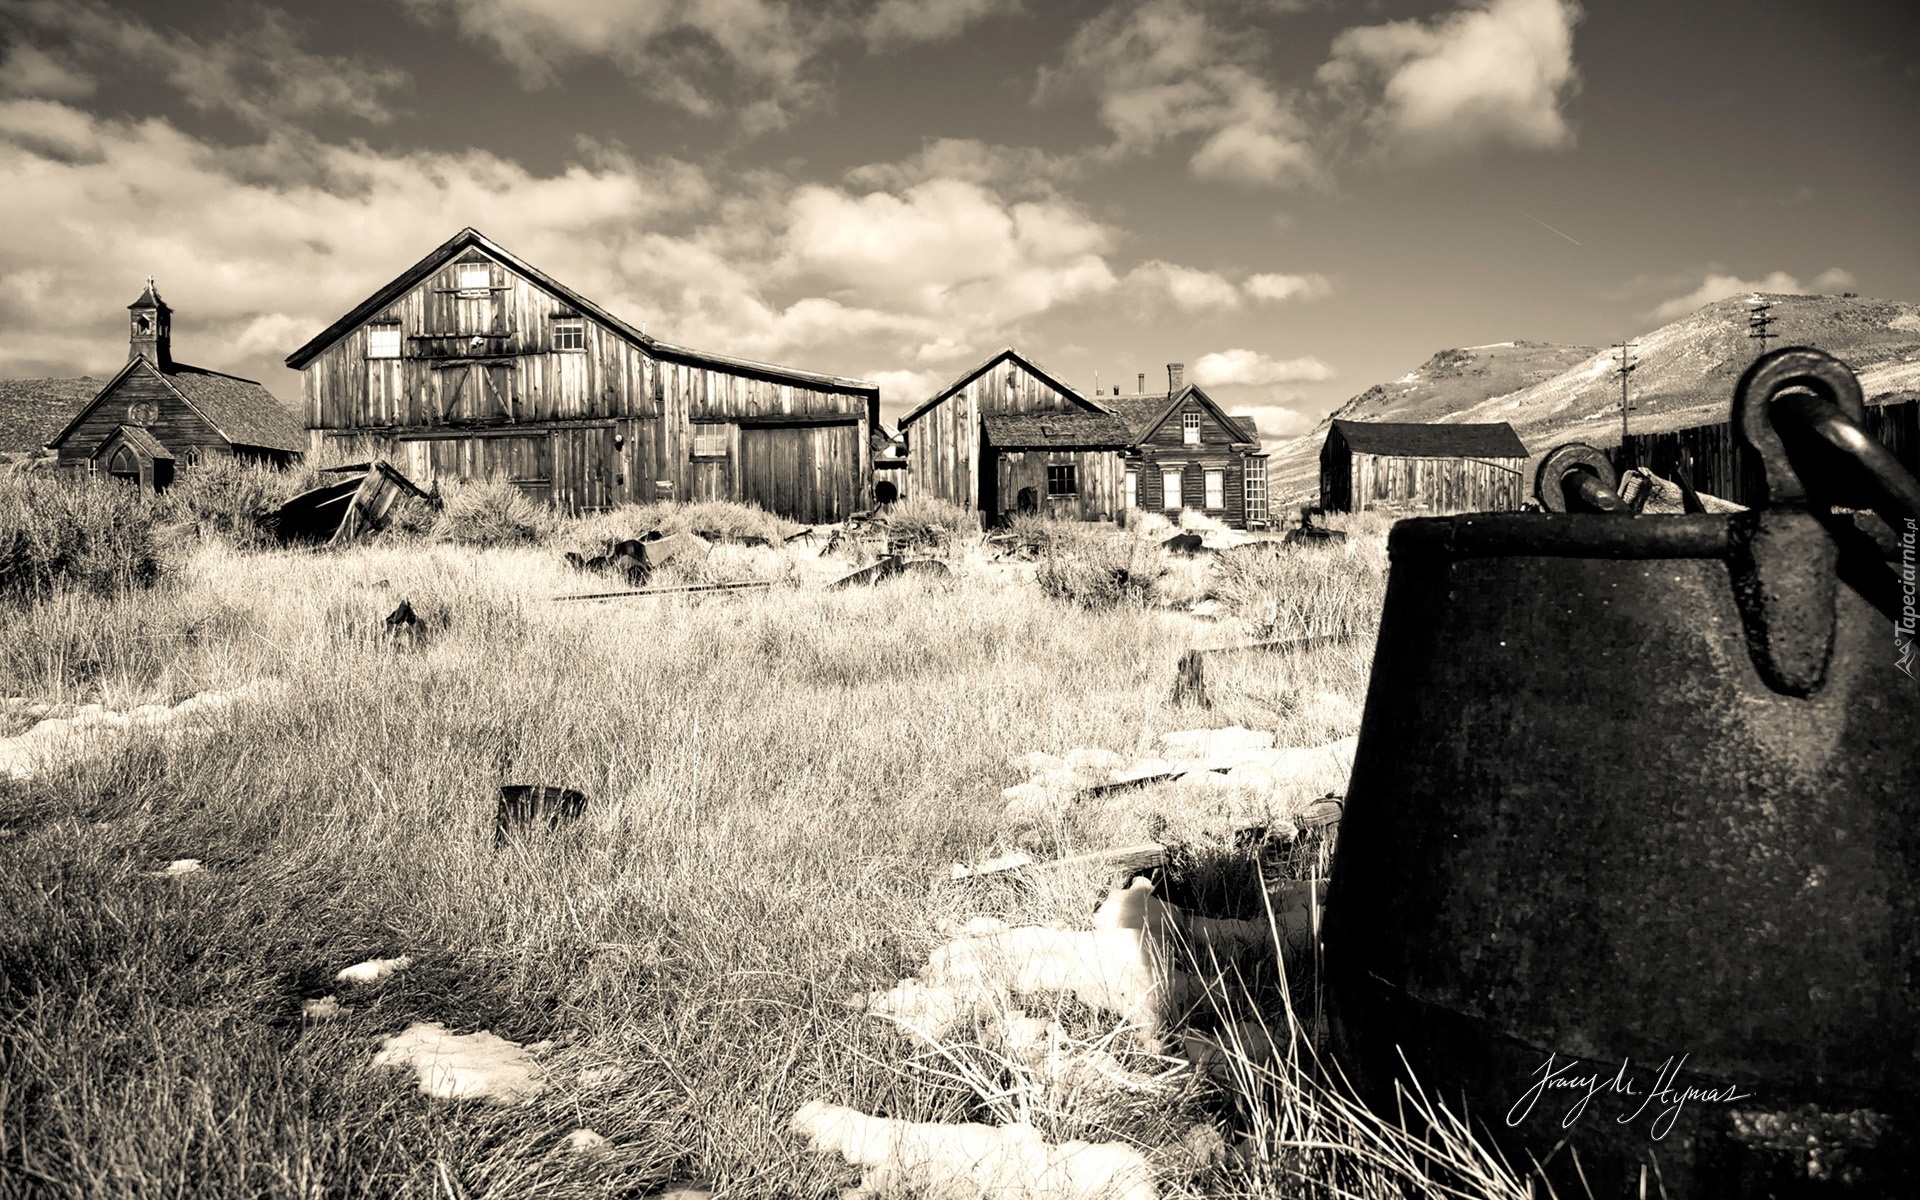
point(1492, 71)
point(901, 390)
point(1009, 169)
point(1250, 368)
point(1287, 287)
point(1276, 420)
point(260, 74)
point(1189, 289)
point(895, 23)
point(30, 71)
point(1718, 286)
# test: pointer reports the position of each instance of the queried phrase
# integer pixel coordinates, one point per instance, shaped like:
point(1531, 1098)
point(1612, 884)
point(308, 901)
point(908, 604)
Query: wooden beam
point(697, 587)
point(1131, 858)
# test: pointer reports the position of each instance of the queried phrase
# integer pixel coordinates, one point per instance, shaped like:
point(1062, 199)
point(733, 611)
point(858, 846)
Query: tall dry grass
point(778, 780)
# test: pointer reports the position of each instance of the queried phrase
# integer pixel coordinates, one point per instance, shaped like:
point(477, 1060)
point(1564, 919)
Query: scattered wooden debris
point(1131, 859)
point(890, 566)
point(336, 513)
point(1188, 544)
point(746, 585)
point(1645, 492)
point(1190, 676)
point(1327, 810)
point(524, 805)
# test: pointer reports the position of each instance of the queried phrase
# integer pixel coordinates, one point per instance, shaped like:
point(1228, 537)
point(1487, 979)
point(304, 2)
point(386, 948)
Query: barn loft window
point(569, 333)
point(1190, 428)
point(709, 441)
point(1063, 479)
point(1169, 489)
point(383, 339)
point(474, 279)
point(1216, 489)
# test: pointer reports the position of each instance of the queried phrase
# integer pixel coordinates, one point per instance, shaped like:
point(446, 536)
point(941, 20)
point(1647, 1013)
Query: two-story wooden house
point(1008, 436)
point(1187, 452)
point(473, 363)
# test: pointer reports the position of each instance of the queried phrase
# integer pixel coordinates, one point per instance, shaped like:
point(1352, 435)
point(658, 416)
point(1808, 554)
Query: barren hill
point(1685, 376)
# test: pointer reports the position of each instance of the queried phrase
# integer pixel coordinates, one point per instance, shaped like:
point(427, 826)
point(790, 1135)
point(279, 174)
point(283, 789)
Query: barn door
point(808, 473)
point(585, 465)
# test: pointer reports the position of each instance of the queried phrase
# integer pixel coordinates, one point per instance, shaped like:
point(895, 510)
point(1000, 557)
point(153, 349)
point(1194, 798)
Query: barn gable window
point(1216, 489)
point(709, 441)
point(383, 339)
point(569, 333)
point(1190, 428)
point(1063, 479)
point(474, 279)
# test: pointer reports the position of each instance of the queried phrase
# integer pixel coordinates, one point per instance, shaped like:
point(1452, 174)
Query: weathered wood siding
point(178, 427)
point(479, 375)
point(1098, 472)
point(944, 444)
point(1165, 449)
point(810, 472)
point(1721, 466)
point(1437, 485)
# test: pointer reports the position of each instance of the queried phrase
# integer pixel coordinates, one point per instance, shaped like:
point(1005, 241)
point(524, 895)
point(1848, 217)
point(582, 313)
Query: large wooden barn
point(157, 413)
point(473, 363)
point(1008, 435)
point(1399, 466)
point(1187, 452)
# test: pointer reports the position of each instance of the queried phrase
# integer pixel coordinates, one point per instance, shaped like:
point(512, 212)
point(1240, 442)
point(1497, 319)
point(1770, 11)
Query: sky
point(1294, 198)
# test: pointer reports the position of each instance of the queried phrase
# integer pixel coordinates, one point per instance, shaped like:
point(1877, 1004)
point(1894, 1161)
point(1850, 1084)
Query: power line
point(1625, 369)
point(1760, 321)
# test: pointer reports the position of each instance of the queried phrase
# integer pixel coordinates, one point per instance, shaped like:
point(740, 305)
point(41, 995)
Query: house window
point(383, 340)
point(1190, 428)
point(709, 441)
point(1216, 489)
point(1169, 489)
point(1256, 489)
point(475, 279)
point(569, 333)
point(1133, 489)
point(1063, 479)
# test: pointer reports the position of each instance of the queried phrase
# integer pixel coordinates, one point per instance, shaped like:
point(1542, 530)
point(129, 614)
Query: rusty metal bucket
point(1630, 866)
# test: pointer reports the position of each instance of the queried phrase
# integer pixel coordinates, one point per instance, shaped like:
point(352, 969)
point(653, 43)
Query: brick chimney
point(1140, 384)
point(1176, 377)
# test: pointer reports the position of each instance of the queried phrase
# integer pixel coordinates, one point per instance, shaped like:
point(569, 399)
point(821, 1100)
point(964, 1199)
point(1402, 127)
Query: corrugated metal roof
point(1057, 430)
point(1410, 440)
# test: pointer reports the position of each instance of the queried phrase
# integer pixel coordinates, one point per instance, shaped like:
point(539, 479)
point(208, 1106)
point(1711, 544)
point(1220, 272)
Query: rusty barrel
point(1630, 864)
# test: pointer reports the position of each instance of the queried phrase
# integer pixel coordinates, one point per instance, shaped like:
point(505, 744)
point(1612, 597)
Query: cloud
point(1491, 72)
point(1721, 287)
point(1287, 287)
point(1019, 169)
point(896, 23)
point(1163, 69)
point(259, 74)
point(1276, 421)
point(1250, 368)
point(30, 71)
point(901, 390)
point(1188, 289)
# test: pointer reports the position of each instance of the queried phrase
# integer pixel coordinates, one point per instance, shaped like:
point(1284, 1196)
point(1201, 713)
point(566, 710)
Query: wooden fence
point(1722, 467)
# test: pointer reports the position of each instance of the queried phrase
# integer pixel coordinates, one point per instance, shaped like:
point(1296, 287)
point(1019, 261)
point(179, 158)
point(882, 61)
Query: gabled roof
point(471, 238)
point(1057, 430)
point(1145, 412)
point(33, 410)
point(139, 439)
point(968, 376)
point(149, 298)
point(1410, 440)
point(240, 410)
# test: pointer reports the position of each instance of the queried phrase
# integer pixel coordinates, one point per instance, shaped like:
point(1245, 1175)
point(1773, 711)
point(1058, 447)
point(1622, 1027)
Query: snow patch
point(473, 1066)
point(1007, 1162)
point(177, 868)
point(57, 740)
point(373, 970)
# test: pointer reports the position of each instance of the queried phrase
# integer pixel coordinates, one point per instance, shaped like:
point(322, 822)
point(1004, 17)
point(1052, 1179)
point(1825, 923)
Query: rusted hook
point(1577, 477)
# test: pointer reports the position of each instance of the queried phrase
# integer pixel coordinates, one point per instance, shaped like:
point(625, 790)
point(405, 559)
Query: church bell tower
point(150, 329)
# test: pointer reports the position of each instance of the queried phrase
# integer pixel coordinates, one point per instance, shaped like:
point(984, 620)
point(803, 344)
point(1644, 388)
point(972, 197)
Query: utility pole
point(1760, 321)
point(1626, 368)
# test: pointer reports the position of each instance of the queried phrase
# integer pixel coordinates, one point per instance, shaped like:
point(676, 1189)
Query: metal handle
point(1577, 478)
point(1858, 468)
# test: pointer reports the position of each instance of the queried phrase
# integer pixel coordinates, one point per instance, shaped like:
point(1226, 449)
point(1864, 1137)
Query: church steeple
point(150, 329)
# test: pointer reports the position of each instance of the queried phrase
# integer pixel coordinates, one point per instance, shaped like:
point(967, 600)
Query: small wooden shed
point(1065, 465)
point(1428, 468)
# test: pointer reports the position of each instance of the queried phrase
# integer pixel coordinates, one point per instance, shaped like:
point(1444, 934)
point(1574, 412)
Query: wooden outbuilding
point(473, 363)
point(155, 412)
point(1065, 449)
point(1398, 466)
point(1188, 452)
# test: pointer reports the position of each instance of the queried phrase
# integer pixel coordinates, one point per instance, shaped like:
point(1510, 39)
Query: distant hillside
point(1685, 376)
point(33, 410)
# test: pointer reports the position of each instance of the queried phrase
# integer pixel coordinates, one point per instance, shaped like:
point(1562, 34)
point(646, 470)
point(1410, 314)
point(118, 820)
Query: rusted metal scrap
point(336, 513)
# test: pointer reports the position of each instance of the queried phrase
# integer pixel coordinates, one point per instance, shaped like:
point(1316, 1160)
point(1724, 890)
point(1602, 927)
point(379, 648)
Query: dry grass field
point(778, 783)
